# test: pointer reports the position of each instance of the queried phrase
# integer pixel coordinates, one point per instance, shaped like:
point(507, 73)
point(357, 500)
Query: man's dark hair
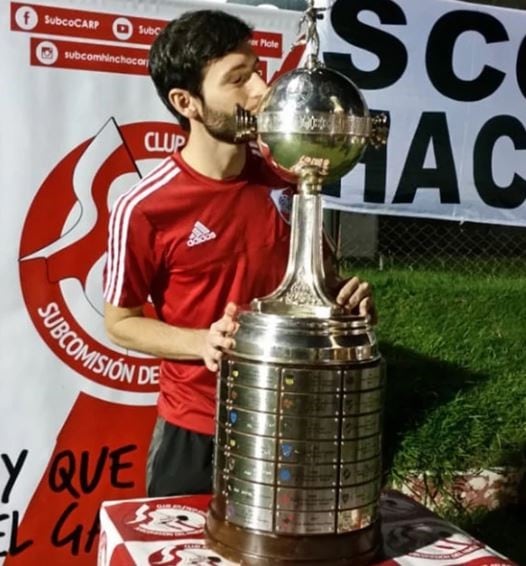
point(184, 48)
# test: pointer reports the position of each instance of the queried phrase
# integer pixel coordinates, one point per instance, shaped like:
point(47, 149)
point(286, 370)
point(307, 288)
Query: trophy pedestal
point(251, 548)
point(297, 470)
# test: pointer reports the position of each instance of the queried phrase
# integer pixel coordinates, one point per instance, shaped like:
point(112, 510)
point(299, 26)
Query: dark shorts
point(179, 461)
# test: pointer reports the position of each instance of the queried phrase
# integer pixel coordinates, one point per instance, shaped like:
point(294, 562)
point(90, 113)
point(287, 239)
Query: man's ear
point(184, 103)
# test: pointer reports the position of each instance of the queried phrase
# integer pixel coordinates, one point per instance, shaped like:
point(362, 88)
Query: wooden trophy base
point(253, 548)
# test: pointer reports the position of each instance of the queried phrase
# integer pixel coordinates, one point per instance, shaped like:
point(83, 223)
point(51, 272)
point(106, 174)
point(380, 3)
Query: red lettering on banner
point(88, 56)
point(267, 44)
point(50, 20)
point(99, 455)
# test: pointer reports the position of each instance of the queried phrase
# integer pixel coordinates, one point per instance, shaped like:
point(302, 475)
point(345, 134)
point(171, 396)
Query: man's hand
point(219, 338)
point(356, 295)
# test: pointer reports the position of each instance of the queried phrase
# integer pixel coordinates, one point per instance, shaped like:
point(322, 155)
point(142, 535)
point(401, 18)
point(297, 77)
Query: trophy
point(297, 469)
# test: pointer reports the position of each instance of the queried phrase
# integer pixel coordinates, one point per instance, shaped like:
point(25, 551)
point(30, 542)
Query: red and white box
point(165, 531)
point(169, 531)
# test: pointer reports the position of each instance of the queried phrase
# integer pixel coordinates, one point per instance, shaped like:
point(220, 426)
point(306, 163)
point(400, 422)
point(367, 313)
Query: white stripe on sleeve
point(119, 223)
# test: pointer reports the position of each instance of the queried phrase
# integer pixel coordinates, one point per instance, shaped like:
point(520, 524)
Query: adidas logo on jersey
point(200, 234)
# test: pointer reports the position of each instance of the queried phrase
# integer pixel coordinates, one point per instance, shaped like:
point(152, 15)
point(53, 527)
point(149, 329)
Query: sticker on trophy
point(284, 475)
point(289, 380)
point(284, 499)
point(233, 417)
point(287, 450)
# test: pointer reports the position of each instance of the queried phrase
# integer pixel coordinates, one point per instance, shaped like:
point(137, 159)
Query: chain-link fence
point(387, 241)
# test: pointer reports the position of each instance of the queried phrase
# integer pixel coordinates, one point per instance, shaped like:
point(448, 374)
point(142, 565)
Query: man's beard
point(220, 125)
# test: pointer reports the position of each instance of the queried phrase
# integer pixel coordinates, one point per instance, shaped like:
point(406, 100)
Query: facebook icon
point(26, 18)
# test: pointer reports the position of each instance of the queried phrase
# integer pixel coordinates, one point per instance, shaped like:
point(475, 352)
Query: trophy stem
point(302, 292)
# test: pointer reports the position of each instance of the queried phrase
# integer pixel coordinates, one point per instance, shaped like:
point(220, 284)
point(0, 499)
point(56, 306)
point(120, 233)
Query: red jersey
point(192, 244)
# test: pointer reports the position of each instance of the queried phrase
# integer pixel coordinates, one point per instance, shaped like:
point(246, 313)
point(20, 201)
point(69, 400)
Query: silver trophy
point(297, 470)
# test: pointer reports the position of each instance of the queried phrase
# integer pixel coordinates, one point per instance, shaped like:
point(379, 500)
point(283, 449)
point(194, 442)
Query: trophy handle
point(246, 125)
point(379, 130)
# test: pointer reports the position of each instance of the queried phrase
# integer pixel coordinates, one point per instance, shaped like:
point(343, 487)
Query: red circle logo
point(63, 245)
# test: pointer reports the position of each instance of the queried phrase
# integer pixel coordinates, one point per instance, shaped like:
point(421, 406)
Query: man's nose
point(257, 87)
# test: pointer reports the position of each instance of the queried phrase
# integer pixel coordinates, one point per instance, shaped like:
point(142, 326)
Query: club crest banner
point(81, 123)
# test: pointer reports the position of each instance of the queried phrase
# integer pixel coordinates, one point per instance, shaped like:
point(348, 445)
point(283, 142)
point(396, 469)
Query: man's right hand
point(220, 338)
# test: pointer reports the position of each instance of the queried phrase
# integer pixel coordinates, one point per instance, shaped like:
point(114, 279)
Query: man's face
point(233, 79)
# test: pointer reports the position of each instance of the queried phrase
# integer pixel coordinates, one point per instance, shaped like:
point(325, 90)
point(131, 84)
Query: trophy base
point(253, 548)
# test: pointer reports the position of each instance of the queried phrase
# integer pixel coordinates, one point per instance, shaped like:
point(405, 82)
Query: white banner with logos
point(80, 123)
point(452, 76)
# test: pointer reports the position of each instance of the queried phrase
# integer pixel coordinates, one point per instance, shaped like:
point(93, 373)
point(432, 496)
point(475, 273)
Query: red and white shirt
point(192, 244)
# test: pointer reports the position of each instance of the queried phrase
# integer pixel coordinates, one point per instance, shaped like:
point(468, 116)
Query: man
point(199, 235)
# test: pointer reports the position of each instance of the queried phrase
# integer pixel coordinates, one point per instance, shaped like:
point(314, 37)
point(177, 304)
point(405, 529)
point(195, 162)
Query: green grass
point(455, 346)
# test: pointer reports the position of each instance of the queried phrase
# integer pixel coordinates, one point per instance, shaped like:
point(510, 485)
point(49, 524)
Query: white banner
point(452, 76)
point(81, 122)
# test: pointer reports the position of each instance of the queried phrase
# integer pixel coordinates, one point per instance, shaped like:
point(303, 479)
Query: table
point(168, 531)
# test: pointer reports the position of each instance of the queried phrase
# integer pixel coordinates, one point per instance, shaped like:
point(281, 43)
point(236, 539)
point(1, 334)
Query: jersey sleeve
point(130, 261)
